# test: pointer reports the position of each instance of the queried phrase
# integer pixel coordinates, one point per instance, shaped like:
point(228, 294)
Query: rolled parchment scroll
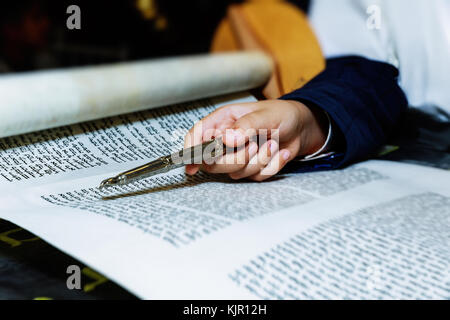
point(39, 100)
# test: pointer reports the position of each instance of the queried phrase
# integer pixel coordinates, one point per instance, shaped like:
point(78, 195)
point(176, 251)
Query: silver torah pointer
point(196, 154)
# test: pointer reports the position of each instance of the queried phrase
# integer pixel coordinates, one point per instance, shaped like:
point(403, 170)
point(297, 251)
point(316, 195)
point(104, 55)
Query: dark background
point(34, 35)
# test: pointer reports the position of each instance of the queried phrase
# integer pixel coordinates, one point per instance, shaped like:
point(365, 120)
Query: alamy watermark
point(74, 19)
point(373, 21)
point(74, 279)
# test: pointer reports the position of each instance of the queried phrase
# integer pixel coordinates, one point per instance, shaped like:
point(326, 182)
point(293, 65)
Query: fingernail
point(191, 170)
point(273, 147)
point(286, 154)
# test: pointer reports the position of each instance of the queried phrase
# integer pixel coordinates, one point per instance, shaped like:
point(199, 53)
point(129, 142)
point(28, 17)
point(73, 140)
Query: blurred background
point(33, 33)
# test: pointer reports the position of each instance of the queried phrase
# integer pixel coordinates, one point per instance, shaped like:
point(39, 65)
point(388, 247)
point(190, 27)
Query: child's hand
point(301, 131)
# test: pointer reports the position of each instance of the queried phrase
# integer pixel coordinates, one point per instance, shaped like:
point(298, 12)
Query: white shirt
point(413, 35)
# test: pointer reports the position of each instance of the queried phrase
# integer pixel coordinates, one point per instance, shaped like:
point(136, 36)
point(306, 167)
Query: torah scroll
point(39, 100)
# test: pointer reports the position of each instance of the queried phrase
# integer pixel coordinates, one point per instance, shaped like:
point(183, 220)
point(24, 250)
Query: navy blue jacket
point(363, 99)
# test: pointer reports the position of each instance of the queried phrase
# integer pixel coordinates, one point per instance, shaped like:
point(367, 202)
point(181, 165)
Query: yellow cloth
point(282, 31)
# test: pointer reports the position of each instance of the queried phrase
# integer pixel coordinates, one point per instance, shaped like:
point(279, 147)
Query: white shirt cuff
point(322, 152)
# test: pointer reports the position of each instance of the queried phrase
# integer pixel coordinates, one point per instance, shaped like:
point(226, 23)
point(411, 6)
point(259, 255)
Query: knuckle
point(245, 122)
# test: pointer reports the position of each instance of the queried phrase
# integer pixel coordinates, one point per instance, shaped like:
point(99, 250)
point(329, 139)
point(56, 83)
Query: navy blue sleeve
point(363, 99)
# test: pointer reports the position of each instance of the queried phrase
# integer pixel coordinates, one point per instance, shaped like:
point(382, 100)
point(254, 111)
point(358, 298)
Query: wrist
point(313, 128)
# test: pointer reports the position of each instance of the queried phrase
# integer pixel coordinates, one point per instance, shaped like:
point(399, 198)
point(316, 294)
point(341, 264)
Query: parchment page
point(109, 145)
point(374, 230)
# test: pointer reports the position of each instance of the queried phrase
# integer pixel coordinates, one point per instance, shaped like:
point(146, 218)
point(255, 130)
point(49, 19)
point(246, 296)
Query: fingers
point(277, 162)
point(213, 126)
point(237, 125)
point(203, 130)
point(258, 161)
point(254, 123)
point(221, 119)
point(192, 169)
point(235, 161)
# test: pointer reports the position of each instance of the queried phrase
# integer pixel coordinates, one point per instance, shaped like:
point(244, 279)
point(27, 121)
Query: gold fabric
point(280, 30)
